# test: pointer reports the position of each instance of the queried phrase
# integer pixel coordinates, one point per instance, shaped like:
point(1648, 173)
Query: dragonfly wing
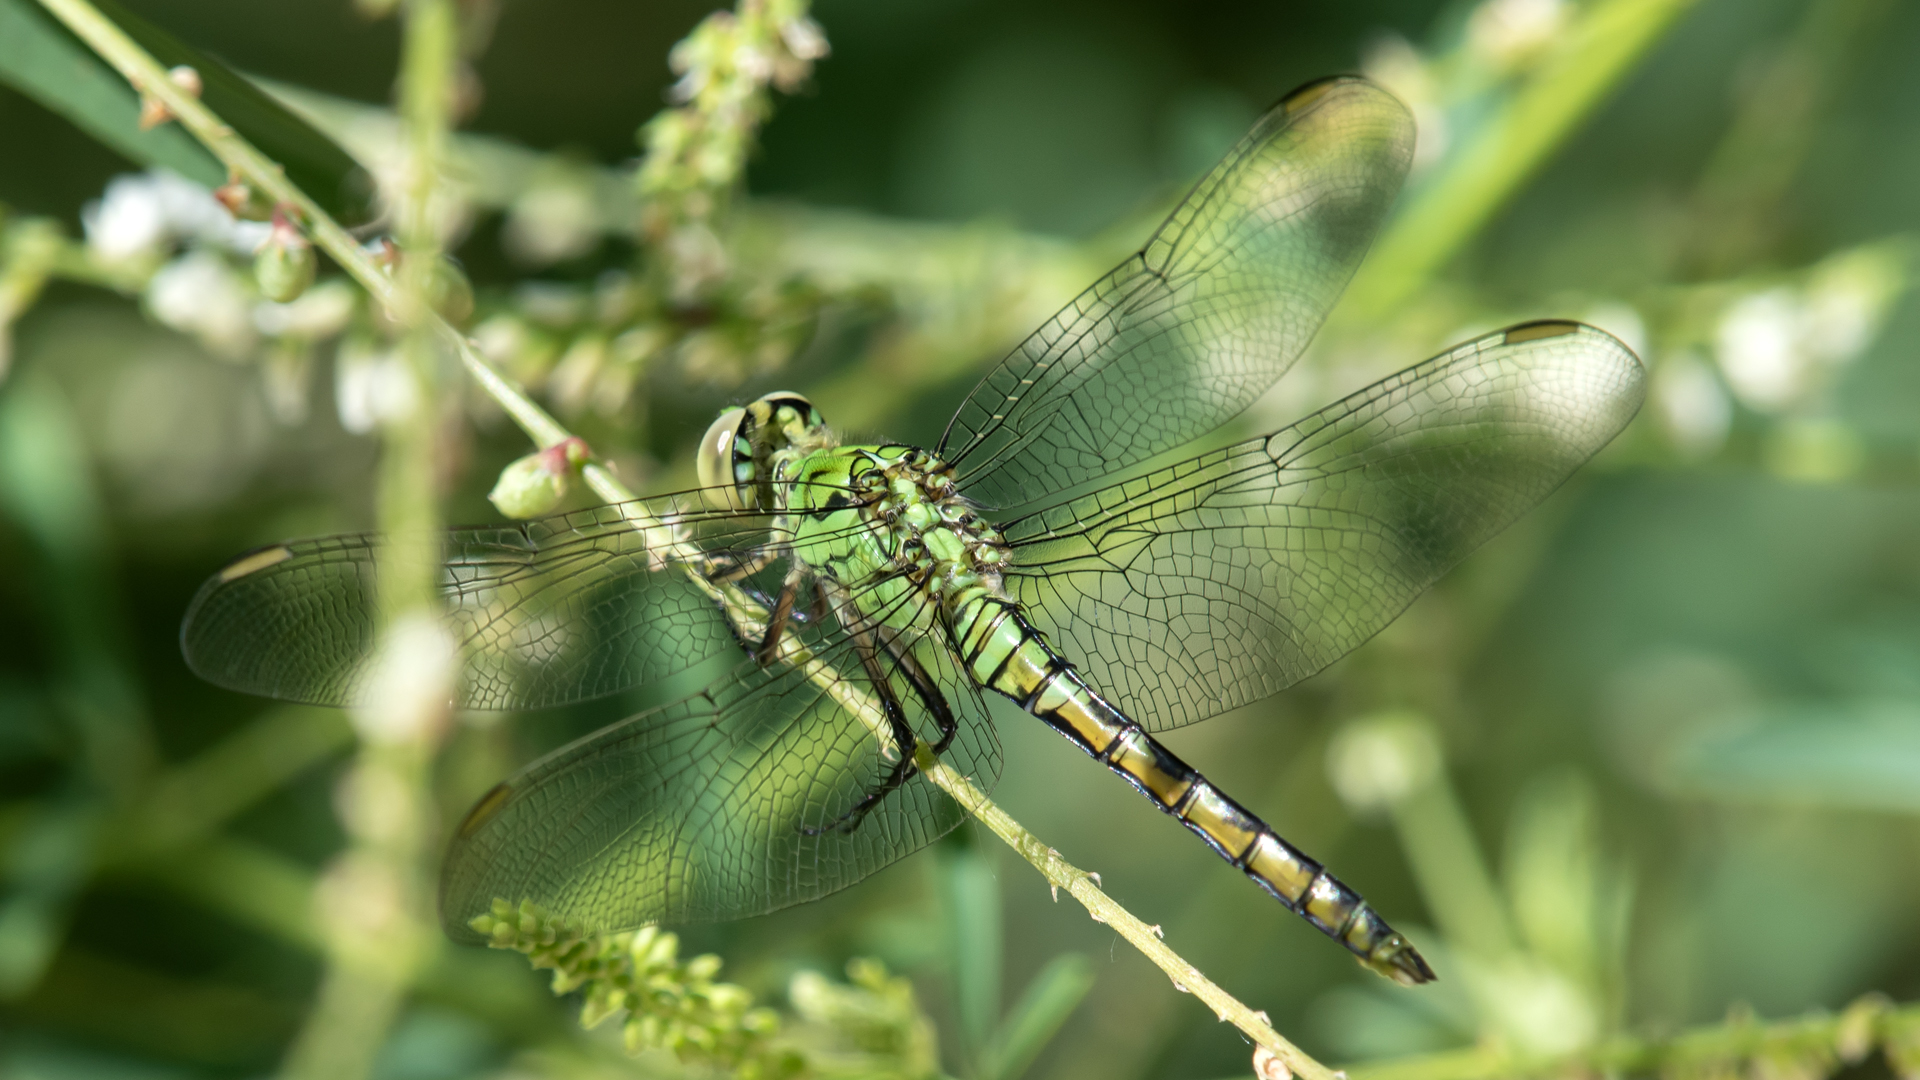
point(550, 612)
point(1215, 582)
point(1219, 304)
point(718, 807)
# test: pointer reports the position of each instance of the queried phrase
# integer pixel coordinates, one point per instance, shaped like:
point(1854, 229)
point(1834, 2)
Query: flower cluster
point(696, 152)
point(669, 1004)
point(587, 347)
point(870, 1027)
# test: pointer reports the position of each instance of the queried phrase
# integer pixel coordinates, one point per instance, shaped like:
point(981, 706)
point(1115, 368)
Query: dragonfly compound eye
point(725, 461)
point(785, 406)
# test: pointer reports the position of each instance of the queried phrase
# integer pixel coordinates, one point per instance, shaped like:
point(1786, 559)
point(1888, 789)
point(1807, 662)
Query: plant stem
point(1105, 909)
point(376, 904)
point(149, 77)
point(1811, 1046)
point(1452, 208)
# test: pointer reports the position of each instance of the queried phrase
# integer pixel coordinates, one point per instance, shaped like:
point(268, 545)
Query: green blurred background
point(1669, 725)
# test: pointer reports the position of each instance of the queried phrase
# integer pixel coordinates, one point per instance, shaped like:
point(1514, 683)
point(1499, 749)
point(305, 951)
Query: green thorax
point(880, 520)
point(874, 523)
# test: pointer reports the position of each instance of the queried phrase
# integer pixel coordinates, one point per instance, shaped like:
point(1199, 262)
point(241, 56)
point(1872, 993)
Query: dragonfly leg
point(904, 742)
point(728, 568)
point(782, 611)
point(930, 696)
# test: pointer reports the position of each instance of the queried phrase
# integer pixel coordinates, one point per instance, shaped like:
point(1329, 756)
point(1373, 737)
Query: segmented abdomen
point(1004, 653)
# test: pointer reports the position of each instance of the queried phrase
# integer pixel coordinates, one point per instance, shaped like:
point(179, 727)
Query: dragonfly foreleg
point(728, 567)
point(904, 741)
point(769, 648)
point(930, 696)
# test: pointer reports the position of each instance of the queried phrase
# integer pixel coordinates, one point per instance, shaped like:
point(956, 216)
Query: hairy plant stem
point(378, 944)
point(149, 77)
point(1810, 1046)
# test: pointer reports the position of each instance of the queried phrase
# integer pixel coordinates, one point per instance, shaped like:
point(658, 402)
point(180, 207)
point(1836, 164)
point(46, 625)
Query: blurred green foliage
point(1649, 758)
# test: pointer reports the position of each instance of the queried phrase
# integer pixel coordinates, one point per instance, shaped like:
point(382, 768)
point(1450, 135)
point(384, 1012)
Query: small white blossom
point(371, 387)
point(199, 294)
point(1394, 63)
point(1692, 404)
point(1847, 301)
point(320, 312)
point(1377, 762)
point(146, 213)
point(804, 38)
point(1507, 30)
point(553, 220)
point(1758, 346)
point(409, 687)
point(1622, 321)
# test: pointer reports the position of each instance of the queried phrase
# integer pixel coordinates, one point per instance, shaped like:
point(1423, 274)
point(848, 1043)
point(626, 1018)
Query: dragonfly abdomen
point(1004, 653)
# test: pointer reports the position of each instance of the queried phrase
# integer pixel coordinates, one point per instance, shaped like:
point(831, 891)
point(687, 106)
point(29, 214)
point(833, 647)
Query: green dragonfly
point(838, 607)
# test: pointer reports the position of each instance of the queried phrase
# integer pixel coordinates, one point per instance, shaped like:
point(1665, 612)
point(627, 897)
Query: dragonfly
point(837, 610)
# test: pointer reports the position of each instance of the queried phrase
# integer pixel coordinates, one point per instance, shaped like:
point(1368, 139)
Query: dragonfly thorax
point(892, 510)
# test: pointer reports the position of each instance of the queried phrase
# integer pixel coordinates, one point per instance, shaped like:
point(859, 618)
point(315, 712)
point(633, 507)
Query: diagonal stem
point(148, 77)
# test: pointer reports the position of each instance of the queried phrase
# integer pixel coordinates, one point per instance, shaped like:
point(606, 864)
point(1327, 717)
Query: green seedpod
point(535, 484)
point(451, 293)
point(285, 265)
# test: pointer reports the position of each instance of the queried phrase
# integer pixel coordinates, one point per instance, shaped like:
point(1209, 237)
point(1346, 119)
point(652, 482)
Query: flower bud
point(450, 293)
point(284, 265)
point(535, 484)
point(242, 200)
point(153, 111)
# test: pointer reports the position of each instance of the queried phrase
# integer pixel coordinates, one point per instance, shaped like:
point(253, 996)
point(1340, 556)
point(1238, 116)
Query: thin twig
point(148, 77)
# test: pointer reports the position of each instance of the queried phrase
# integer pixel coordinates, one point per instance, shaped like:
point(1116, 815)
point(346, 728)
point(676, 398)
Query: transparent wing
point(720, 806)
point(1189, 331)
point(555, 611)
point(1212, 583)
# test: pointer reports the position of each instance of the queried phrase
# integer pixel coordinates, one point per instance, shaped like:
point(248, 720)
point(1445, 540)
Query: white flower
point(1847, 300)
point(1622, 321)
point(199, 294)
point(1758, 345)
point(320, 312)
point(1394, 63)
point(142, 213)
point(554, 219)
point(409, 682)
point(1378, 761)
point(127, 221)
point(1506, 30)
point(1692, 404)
point(372, 386)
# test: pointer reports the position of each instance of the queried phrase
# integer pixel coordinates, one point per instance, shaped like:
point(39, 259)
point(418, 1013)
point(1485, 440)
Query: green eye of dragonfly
point(1025, 554)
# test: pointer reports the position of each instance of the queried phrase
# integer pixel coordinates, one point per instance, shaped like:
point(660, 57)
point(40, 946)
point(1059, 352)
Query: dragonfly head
point(739, 453)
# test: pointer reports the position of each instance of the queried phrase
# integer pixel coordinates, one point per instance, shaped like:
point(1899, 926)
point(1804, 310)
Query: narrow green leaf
point(1445, 211)
point(1036, 1018)
point(39, 59)
point(1858, 755)
point(973, 904)
point(315, 163)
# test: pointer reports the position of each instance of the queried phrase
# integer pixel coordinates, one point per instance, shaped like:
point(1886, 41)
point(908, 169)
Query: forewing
point(554, 611)
point(699, 811)
point(1218, 581)
point(1188, 332)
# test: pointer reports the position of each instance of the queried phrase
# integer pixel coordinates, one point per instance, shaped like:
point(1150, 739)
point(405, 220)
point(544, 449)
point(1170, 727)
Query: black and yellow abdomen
point(1004, 653)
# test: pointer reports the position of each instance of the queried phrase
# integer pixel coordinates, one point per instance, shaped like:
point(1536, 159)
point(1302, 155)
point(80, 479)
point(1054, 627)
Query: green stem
point(387, 805)
point(1810, 1045)
point(1451, 208)
point(149, 77)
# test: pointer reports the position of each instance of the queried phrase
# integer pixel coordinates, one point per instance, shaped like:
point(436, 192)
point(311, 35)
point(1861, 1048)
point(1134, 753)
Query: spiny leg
point(782, 611)
point(725, 568)
point(929, 693)
point(904, 741)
